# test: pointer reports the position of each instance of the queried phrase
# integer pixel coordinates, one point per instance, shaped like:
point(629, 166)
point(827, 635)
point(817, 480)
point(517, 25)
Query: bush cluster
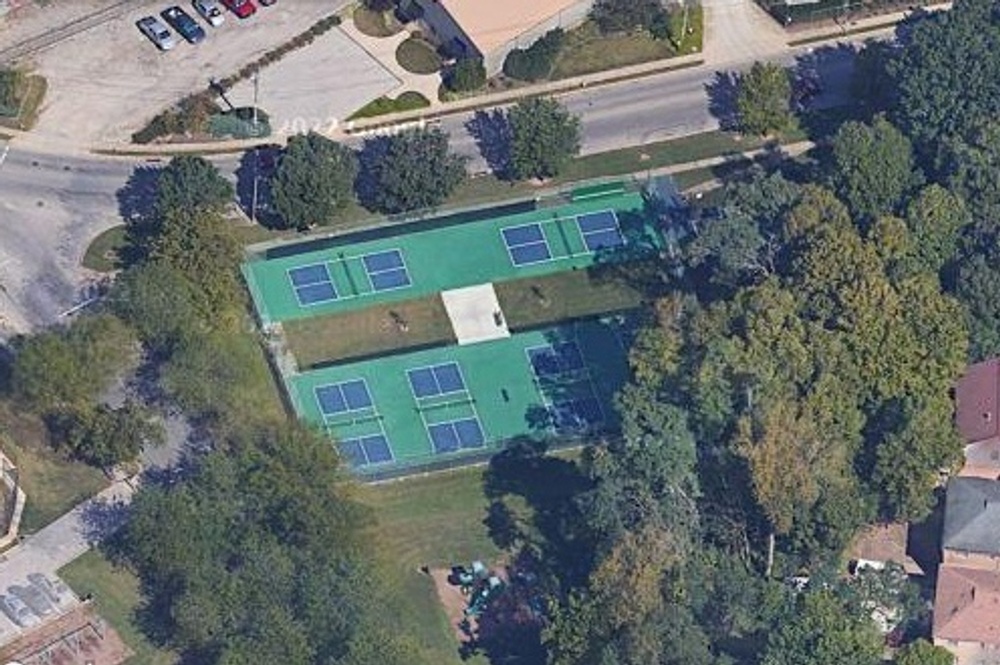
point(466, 75)
point(190, 116)
point(535, 62)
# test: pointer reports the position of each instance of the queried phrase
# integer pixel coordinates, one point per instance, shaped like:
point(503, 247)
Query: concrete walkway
point(383, 49)
point(61, 542)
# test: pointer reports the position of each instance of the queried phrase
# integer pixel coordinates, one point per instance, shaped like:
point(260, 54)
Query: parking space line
point(3, 155)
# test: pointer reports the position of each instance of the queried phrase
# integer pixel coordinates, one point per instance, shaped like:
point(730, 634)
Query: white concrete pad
point(475, 314)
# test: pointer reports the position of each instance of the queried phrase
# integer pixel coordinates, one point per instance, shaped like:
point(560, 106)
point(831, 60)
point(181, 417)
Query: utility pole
point(253, 203)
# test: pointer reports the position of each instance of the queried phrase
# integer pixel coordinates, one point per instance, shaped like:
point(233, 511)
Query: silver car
point(17, 611)
point(54, 589)
point(157, 32)
point(210, 11)
point(33, 598)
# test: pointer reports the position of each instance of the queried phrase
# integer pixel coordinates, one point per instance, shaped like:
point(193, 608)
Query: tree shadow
point(492, 133)
point(101, 518)
point(548, 485)
point(371, 154)
point(137, 208)
point(723, 90)
point(260, 165)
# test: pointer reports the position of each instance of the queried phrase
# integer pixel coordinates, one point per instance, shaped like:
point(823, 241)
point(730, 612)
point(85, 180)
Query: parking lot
point(110, 80)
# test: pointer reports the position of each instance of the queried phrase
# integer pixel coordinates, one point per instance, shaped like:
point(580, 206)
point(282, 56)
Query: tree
point(872, 167)
point(763, 102)
point(938, 94)
point(624, 15)
point(409, 171)
point(314, 180)
point(871, 84)
point(535, 62)
point(822, 631)
point(161, 304)
point(935, 218)
point(978, 288)
point(544, 138)
point(66, 368)
point(466, 75)
point(733, 250)
point(923, 652)
point(190, 184)
point(104, 436)
point(203, 248)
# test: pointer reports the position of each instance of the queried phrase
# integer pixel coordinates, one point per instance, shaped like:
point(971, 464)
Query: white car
point(210, 11)
point(157, 32)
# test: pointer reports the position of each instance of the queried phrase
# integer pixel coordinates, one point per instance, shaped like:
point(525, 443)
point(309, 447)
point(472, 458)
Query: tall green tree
point(922, 652)
point(873, 167)
point(763, 101)
point(544, 138)
point(409, 171)
point(105, 436)
point(190, 184)
point(314, 181)
point(822, 631)
point(161, 304)
point(623, 15)
point(62, 369)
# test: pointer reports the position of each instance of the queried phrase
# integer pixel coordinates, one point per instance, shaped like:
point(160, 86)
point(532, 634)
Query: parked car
point(156, 32)
point(54, 589)
point(17, 611)
point(182, 22)
point(210, 11)
point(33, 598)
point(242, 8)
point(268, 3)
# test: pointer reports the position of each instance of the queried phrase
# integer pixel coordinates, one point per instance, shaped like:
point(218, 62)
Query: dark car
point(183, 23)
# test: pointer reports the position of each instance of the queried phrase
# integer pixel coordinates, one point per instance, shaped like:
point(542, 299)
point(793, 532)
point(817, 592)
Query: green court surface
point(427, 407)
point(416, 259)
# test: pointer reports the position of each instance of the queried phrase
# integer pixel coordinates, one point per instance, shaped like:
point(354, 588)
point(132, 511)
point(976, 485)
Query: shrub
point(466, 75)
point(12, 83)
point(535, 62)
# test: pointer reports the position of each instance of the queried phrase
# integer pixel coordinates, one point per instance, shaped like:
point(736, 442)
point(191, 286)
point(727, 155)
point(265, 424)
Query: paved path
point(61, 542)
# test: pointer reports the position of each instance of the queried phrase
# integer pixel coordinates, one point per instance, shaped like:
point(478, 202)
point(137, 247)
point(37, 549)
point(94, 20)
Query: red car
point(242, 8)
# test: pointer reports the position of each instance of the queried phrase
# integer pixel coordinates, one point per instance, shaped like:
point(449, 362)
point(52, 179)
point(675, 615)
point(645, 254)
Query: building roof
point(972, 516)
point(967, 605)
point(977, 396)
point(883, 543)
point(491, 24)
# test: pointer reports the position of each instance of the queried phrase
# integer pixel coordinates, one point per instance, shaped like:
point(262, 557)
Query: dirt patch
point(77, 637)
point(453, 601)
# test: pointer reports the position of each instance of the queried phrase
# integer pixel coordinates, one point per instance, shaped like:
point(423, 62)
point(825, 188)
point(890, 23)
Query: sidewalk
point(62, 541)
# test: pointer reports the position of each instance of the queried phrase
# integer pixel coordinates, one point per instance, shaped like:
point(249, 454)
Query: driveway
point(108, 82)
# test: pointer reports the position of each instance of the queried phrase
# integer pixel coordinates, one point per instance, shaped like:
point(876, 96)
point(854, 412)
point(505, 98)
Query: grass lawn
point(418, 56)
point(31, 101)
point(375, 24)
point(116, 596)
point(368, 331)
point(407, 101)
point(586, 50)
point(103, 254)
point(535, 301)
point(437, 521)
point(53, 484)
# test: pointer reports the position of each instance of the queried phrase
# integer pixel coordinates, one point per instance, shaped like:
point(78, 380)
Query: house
point(977, 398)
point(967, 596)
point(490, 29)
point(879, 544)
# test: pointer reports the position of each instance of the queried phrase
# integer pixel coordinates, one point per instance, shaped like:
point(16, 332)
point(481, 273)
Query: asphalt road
point(52, 206)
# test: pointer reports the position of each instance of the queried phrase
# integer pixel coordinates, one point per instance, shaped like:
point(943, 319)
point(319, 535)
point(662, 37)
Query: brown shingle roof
point(977, 396)
point(967, 605)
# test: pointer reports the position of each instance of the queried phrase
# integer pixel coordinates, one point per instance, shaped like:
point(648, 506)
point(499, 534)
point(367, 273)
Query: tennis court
point(435, 404)
point(413, 260)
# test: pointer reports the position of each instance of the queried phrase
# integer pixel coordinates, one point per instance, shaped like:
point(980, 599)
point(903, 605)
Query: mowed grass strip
point(536, 301)
point(369, 331)
point(53, 483)
point(116, 593)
